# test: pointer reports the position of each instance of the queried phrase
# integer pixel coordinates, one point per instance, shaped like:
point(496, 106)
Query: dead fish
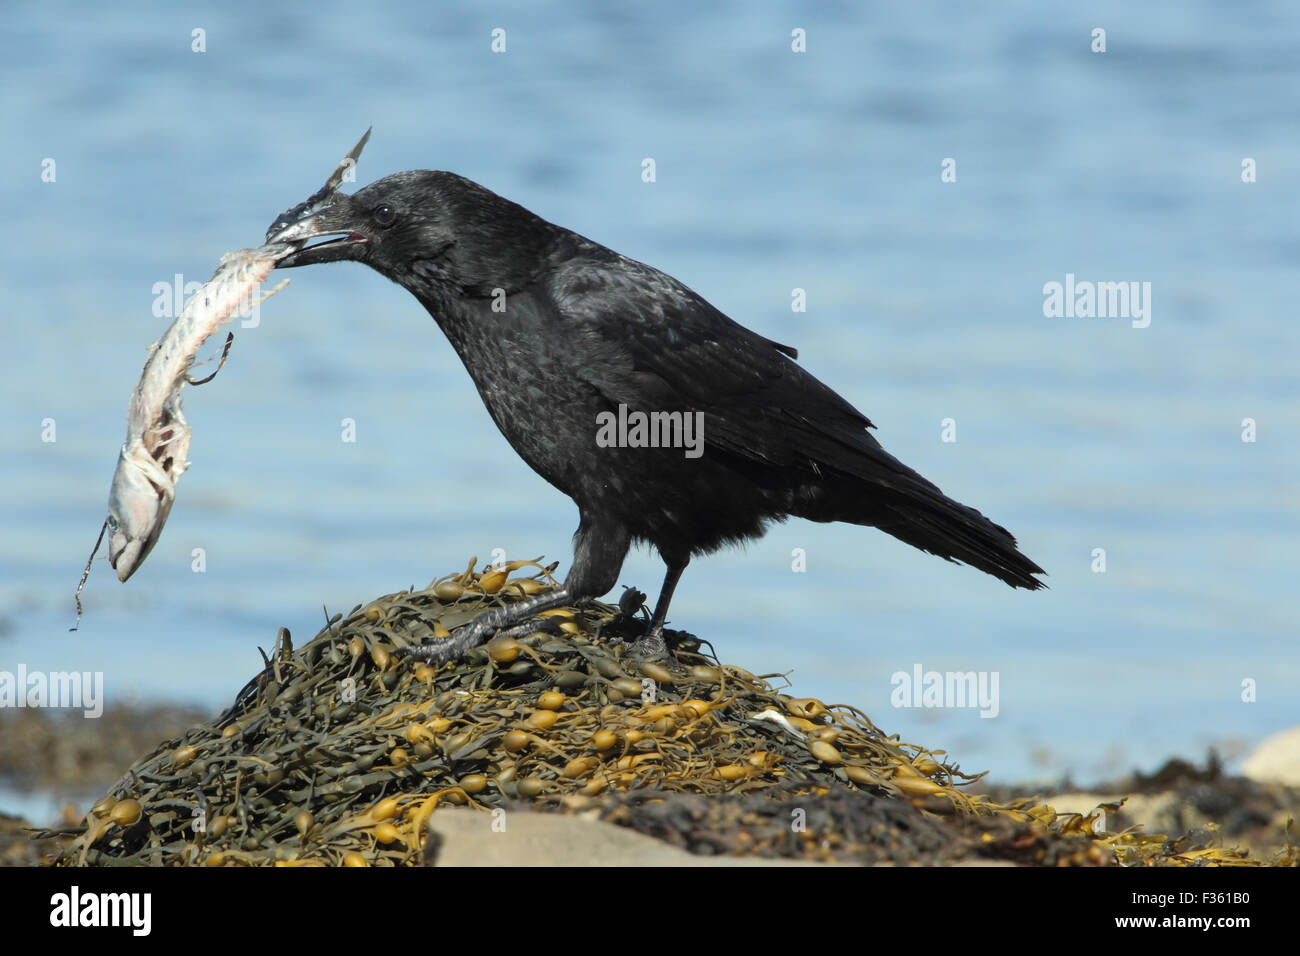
point(154, 455)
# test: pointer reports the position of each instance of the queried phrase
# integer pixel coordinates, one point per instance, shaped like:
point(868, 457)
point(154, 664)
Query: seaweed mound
point(340, 752)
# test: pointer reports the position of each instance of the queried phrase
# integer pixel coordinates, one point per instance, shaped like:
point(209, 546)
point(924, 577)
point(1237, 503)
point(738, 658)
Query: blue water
point(775, 171)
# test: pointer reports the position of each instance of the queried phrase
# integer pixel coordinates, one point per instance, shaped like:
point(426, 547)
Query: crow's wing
point(653, 344)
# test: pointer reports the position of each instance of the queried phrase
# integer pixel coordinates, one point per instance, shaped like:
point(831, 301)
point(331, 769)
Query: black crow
point(664, 420)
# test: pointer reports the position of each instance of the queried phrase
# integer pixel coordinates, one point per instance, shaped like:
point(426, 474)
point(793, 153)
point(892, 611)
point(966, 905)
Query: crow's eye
point(384, 215)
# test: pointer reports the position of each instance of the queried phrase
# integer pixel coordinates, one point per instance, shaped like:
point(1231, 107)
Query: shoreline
point(340, 751)
point(53, 760)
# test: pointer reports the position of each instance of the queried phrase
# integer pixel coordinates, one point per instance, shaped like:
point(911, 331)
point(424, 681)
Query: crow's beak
point(334, 220)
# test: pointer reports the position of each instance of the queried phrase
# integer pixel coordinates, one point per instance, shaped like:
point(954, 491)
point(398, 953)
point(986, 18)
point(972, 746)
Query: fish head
point(137, 510)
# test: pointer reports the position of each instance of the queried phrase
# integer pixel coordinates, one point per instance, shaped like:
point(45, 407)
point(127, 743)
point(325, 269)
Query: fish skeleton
point(153, 457)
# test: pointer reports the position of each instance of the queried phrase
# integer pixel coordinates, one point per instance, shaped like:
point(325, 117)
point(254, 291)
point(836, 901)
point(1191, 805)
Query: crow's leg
point(598, 552)
point(651, 645)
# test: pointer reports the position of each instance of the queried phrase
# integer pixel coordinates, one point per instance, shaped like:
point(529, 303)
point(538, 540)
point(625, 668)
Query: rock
point(467, 838)
point(1276, 759)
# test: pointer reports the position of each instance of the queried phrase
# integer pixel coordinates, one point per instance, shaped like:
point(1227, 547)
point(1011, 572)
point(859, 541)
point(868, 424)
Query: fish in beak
point(323, 213)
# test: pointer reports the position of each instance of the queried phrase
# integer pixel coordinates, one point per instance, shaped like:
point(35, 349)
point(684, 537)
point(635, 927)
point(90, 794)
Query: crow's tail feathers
point(925, 518)
point(914, 510)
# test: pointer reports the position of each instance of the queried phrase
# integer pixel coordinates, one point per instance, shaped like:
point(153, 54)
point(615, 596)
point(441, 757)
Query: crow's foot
point(652, 647)
point(512, 620)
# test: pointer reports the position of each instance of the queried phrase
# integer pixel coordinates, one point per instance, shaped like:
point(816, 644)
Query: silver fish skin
point(154, 455)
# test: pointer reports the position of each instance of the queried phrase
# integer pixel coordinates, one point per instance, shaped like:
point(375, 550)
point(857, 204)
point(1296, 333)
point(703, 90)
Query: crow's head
point(423, 228)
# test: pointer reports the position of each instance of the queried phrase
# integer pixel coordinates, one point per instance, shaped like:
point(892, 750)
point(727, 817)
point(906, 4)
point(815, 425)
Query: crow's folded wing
point(651, 343)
